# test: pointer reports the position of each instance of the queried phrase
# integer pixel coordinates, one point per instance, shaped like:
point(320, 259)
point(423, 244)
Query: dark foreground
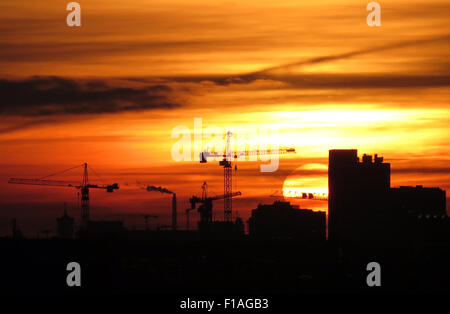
point(190, 267)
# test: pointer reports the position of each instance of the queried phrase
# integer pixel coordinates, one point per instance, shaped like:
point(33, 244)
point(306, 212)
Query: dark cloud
point(282, 73)
point(330, 81)
point(56, 96)
point(53, 96)
point(358, 81)
point(362, 81)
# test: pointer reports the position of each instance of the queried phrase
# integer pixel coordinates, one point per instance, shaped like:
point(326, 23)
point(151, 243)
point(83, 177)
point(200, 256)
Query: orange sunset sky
point(111, 91)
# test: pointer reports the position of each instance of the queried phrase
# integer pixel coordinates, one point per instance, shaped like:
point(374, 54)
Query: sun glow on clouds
point(371, 128)
point(298, 183)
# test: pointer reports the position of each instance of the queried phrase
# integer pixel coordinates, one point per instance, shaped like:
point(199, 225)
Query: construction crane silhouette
point(205, 209)
point(228, 156)
point(84, 187)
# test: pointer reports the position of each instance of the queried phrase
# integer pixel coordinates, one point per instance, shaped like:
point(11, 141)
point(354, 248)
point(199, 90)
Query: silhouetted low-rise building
point(221, 230)
point(281, 220)
point(103, 229)
point(357, 195)
point(65, 226)
point(419, 200)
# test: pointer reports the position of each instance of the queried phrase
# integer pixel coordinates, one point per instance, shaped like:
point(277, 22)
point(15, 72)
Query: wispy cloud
point(350, 54)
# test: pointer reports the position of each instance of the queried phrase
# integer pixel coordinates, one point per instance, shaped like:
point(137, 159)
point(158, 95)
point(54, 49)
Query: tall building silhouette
point(364, 209)
point(357, 192)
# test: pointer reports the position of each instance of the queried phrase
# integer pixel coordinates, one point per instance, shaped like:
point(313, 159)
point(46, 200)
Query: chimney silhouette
point(151, 188)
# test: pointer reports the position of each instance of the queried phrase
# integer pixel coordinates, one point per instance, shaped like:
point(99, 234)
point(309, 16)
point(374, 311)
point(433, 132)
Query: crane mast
point(227, 181)
point(205, 209)
point(226, 163)
point(83, 187)
point(84, 197)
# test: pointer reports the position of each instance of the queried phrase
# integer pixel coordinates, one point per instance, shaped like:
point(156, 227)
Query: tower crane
point(205, 209)
point(228, 156)
point(84, 187)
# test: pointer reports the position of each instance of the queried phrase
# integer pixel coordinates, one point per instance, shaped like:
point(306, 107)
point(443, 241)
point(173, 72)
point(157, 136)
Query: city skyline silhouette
point(207, 148)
